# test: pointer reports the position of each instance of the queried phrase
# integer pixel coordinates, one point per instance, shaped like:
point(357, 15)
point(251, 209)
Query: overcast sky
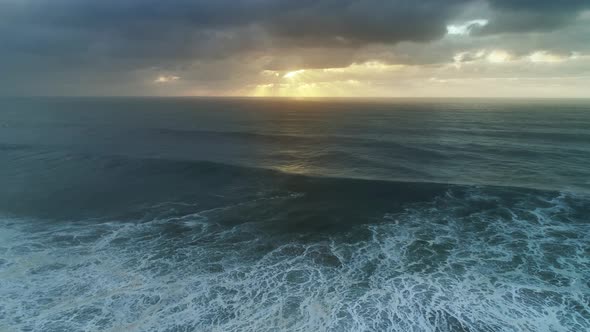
point(384, 48)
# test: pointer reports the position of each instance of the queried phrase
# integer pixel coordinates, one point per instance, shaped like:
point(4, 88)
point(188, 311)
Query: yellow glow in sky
point(546, 57)
point(459, 78)
point(499, 56)
point(318, 82)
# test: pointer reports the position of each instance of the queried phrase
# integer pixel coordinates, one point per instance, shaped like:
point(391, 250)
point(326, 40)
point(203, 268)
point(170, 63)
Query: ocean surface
point(171, 214)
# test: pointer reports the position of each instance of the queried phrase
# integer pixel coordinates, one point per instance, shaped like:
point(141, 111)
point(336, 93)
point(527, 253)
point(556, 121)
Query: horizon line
point(293, 97)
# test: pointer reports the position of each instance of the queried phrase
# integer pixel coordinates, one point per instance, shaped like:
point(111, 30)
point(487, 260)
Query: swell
point(74, 186)
point(45, 160)
point(543, 135)
point(52, 184)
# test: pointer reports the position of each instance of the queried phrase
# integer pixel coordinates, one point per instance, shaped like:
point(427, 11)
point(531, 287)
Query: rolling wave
point(95, 185)
point(466, 260)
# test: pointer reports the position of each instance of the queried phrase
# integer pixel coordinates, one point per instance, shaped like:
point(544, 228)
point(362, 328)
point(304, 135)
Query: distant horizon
point(294, 98)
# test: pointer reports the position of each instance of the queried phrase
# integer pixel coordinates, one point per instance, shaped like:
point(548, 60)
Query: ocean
point(237, 214)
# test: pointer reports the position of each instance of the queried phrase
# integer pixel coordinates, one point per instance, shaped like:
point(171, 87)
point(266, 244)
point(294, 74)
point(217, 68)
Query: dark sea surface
point(123, 214)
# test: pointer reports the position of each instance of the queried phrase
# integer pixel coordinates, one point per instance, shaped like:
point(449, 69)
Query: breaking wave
point(469, 259)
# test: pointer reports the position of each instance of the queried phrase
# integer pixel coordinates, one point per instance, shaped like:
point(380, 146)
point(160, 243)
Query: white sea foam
point(441, 266)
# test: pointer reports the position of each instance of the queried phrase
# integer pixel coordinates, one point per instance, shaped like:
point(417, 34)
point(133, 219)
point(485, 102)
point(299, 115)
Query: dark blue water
point(279, 215)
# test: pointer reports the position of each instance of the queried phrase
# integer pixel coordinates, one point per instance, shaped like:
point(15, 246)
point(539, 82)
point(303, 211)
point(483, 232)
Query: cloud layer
point(229, 46)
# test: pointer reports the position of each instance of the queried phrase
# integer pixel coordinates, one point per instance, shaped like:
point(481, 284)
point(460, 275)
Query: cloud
point(547, 57)
point(124, 46)
point(499, 56)
point(465, 28)
point(186, 27)
point(518, 16)
point(166, 79)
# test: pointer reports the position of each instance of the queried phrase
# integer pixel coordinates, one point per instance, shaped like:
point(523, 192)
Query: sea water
point(180, 214)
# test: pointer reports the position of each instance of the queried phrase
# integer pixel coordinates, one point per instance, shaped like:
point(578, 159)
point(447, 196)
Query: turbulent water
point(276, 215)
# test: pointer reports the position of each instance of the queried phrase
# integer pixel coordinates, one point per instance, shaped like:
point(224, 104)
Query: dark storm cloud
point(205, 28)
point(516, 16)
point(367, 21)
point(85, 23)
point(540, 5)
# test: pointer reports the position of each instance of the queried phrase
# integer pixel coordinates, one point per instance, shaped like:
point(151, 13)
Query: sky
point(296, 48)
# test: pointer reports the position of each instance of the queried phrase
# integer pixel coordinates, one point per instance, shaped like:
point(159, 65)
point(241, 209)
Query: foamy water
point(469, 260)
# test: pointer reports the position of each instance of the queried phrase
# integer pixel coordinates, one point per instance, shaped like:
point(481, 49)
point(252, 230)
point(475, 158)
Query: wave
point(470, 260)
point(42, 184)
point(389, 140)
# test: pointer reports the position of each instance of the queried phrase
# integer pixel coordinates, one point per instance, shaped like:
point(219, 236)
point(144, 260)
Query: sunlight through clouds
point(283, 47)
point(324, 81)
point(499, 56)
point(293, 74)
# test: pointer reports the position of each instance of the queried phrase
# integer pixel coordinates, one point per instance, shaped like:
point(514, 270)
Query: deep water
point(166, 214)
